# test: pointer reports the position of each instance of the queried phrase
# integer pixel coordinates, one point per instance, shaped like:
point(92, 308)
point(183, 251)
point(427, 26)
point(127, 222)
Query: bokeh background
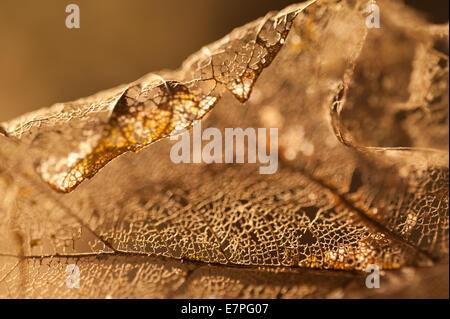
point(43, 62)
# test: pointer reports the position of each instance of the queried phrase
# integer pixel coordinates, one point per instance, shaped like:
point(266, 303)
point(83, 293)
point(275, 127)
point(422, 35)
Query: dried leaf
point(363, 176)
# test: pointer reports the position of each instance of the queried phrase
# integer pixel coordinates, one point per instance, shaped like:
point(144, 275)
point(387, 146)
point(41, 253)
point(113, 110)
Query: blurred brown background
point(43, 62)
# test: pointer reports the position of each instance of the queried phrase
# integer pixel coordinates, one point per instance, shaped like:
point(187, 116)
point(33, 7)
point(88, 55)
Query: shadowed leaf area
point(362, 118)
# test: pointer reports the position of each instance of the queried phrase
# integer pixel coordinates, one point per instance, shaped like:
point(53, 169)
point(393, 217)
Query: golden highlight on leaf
point(153, 107)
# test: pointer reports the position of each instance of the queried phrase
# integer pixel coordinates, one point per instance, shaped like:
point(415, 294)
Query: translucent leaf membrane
point(410, 194)
point(151, 108)
point(137, 277)
point(362, 176)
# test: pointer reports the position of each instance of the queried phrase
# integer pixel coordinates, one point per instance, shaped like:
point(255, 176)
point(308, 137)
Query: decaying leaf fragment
point(155, 106)
point(360, 179)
